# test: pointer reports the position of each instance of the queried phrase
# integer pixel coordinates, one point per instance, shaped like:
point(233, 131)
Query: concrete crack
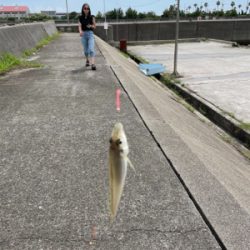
point(47, 239)
point(161, 231)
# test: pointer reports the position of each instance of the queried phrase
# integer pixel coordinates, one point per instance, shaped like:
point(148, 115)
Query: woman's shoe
point(87, 63)
point(93, 67)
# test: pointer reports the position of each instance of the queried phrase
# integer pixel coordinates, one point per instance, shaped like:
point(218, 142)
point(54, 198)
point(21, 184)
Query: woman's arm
point(94, 23)
point(80, 29)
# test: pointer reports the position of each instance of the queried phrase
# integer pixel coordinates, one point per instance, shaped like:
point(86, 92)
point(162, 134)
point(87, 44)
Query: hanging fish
point(118, 161)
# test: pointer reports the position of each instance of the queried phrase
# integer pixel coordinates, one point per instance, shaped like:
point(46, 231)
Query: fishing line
point(118, 100)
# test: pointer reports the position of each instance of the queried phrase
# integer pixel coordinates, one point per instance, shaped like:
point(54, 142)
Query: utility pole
point(105, 20)
point(175, 73)
point(117, 19)
point(67, 10)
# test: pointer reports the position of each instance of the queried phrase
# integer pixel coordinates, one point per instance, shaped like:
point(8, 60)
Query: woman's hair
point(84, 5)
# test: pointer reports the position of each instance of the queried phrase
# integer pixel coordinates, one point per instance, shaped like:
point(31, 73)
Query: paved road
point(217, 72)
point(55, 127)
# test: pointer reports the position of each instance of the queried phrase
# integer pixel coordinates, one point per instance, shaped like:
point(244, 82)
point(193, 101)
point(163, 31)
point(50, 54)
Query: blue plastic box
point(152, 69)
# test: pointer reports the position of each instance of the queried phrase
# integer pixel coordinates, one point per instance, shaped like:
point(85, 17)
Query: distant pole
point(175, 73)
point(117, 20)
point(67, 9)
point(105, 19)
point(104, 6)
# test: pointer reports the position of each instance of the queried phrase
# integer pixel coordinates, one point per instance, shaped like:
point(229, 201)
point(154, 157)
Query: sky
point(98, 5)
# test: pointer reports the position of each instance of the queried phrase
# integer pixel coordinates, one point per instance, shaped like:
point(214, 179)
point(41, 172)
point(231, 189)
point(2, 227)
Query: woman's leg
point(91, 45)
point(85, 46)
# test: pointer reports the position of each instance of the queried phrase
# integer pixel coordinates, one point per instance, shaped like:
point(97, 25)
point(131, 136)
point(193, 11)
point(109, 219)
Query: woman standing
point(86, 26)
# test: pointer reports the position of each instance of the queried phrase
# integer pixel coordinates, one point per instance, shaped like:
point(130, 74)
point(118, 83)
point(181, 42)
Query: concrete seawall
point(16, 39)
point(236, 30)
point(230, 30)
point(99, 31)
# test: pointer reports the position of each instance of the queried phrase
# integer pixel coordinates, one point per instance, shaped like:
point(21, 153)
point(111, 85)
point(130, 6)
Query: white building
point(14, 11)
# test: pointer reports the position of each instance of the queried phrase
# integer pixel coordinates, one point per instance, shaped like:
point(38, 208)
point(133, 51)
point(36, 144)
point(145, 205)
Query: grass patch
point(169, 79)
point(42, 43)
point(46, 41)
point(226, 138)
point(124, 54)
point(245, 126)
point(230, 114)
point(180, 100)
point(202, 111)
point(188, 107)
point(242, 125)
point(246, 153)
point(138, 59)
point(241, 149)
point(29, 52)
point(9, 62)
point(142, 60)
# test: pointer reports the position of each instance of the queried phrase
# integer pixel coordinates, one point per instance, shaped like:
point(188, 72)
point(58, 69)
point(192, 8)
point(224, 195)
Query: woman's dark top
point(85, 21)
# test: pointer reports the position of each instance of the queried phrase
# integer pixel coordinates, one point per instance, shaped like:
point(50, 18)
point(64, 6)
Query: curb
point(225, 122)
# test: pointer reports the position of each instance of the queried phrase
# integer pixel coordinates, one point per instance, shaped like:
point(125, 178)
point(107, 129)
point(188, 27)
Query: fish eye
point(118, 142)
point(110, 140)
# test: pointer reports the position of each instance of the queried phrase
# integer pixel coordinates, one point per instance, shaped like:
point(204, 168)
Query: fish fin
point(130, 164)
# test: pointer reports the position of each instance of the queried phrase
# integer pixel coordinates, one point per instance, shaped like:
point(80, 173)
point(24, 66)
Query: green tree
point(120, 13)
point(131, 14)
point(169, 13)
point(239, 6)
point(218, 13)
point(99, 15)
point(218, 4)
point(231, 13)
point(39, 17)
point(113, 14)
point(232, 4)
point(182, 13)
point(206, 6)
point(73, 15)
point(11, 19)
point(151, 14)
point(142, 15)
point(197, 12)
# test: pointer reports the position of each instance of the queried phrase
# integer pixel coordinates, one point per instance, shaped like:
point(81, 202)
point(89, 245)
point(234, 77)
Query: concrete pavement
point(215, 71)
point(55, 127)
point(215, 174)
